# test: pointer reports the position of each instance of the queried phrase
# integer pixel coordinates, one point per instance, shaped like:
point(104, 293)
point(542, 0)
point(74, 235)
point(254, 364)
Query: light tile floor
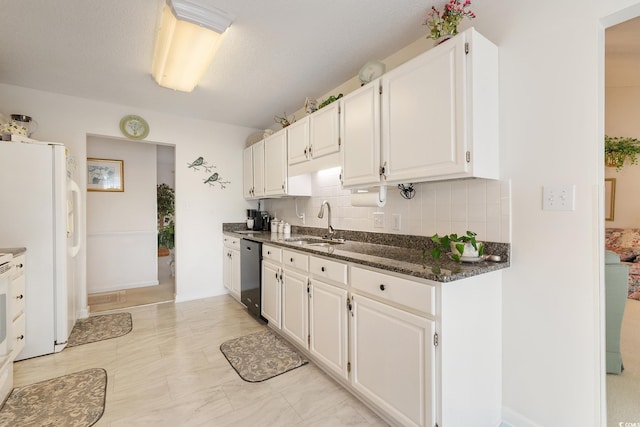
point(163, 292)
point(169, 371)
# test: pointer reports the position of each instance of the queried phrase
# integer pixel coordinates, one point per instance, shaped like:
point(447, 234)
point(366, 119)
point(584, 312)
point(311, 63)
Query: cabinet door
point(258, 168)
point(235, 273)
point(324, 131)
point(270, 296)
point(295, 307)
point(275, 164)
point(360, 134)
point(423, 115)
point(247, 173)
point(328, 326)
point(393, 360)
point(298, 141)
point(226, 268)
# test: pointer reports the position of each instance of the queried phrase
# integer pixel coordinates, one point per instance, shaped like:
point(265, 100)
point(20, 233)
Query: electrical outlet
point(558, 198)
point(396, 221)
point(378, 219)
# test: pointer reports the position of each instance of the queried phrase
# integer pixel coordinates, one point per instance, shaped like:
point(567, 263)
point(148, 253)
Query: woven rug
point(74, 400)
point(98, 328)
point(260, 356)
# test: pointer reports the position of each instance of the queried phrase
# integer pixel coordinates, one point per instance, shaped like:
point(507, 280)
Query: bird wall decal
point(212, 180)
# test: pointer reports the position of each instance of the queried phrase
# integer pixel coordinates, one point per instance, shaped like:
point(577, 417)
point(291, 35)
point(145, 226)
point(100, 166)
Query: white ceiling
point(276, 53)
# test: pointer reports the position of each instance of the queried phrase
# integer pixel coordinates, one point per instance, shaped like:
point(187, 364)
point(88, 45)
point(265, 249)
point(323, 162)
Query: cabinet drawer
point(272, 253)
point(18, 329)
point(418, 296)
point(17, 295)
point(326, 269)
point(295, 260)
point(231, 242)
point(19, 264)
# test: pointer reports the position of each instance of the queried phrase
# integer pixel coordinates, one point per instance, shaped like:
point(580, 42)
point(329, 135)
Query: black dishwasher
point(250, 275)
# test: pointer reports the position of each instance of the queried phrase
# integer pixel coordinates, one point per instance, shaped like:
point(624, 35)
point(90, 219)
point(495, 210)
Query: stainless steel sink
point(301, 240)
point(326, 243)
point(312, 241)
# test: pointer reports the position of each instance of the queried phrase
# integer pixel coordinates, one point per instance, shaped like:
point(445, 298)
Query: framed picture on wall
point(105, 175)
point(609, 198)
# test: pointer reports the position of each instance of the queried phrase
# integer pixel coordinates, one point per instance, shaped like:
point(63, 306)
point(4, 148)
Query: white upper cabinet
point(324, 133)
point(275, 164)
point(298, 139)
point(247, 173)
point(315, 137)
point(360, 135)
point(258, 169)
point(440, 113)
point(265, 170)
point(253, 171)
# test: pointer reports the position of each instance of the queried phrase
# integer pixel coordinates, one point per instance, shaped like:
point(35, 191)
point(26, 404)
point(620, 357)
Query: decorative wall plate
point(134, 127)
point(371, 71)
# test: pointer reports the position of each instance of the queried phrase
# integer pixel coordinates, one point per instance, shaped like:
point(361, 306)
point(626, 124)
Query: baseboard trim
point(514, 418)
point(124, 286)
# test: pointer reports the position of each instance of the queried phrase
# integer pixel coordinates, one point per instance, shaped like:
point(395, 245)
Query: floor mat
point(74, 400)
point(98, 328)
point(260, 356)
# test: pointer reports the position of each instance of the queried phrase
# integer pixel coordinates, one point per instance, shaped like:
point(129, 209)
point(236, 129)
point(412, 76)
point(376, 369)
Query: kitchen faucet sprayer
point(321, 214)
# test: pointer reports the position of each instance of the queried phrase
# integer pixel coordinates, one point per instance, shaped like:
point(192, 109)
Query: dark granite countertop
point(398, 253)
point(13, 251)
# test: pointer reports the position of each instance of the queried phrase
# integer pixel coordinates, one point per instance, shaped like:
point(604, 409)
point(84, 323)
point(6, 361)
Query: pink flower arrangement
point(445, 23)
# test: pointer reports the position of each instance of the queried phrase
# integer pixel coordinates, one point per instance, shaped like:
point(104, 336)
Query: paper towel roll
point(372, 198)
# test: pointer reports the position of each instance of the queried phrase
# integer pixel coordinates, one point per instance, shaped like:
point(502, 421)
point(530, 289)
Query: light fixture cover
point(188, 38)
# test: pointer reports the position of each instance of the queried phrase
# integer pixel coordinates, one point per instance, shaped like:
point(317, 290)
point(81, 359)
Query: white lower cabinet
point(393, 360)
point(295, 307)
point(420, 353)
point(271, 290)
point(328, 326)
point(231, 265)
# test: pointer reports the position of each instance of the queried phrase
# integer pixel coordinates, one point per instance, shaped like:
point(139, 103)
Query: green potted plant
point(166, 225)
point(618, 149)
point(444, 24)
point(460, 246)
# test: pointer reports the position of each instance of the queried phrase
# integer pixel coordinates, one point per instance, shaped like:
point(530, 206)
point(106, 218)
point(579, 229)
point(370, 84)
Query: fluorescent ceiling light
point(188, 38)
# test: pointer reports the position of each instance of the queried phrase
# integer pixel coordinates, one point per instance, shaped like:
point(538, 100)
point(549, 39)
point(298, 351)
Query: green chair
point(616, 281)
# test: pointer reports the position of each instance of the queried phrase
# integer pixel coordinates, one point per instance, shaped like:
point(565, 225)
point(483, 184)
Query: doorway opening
point(125, 267)
point(622, 88)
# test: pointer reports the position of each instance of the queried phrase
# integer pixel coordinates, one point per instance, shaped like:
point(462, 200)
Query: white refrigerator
point(38, 211)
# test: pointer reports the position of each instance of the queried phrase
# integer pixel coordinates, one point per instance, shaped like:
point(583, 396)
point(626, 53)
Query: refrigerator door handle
point(75, 213)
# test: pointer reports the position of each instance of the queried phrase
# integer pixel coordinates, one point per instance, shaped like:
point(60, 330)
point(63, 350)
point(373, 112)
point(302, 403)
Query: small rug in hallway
point(74, 400)
point(98, 328)
point(260, 356)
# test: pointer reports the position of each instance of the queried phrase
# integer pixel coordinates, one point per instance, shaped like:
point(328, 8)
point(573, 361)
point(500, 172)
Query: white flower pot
point(469, 251)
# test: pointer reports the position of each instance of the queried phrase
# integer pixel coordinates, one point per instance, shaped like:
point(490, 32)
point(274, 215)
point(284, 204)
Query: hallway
point(163, 292)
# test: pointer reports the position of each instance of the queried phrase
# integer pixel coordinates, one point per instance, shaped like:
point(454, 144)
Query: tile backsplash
point(479, 205)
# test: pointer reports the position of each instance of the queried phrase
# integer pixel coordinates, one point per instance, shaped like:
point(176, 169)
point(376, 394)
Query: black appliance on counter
point(262, 221)
point(250, 276)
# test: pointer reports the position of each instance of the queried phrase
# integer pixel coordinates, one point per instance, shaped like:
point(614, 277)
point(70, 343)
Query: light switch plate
point(378, 220)
point(396, 221)
point(558, 198)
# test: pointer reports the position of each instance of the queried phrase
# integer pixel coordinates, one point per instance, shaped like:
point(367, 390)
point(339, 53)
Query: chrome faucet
point(321, 214)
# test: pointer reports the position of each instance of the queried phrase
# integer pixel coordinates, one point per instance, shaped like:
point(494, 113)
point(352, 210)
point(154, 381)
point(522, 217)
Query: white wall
point(621, 119)
point(166, 165)
point(200, 209)
point(122, 226)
